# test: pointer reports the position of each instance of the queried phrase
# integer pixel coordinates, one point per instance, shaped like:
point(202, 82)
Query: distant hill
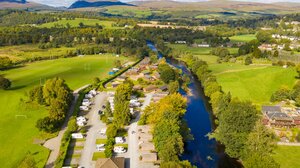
point(93, 3)
point(217, 5)
point(20, 4)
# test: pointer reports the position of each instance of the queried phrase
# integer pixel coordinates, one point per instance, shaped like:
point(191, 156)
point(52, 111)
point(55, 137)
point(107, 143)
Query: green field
point(288, 156)
point(243, 38)
point(17, 121)
point(198, 50)
point(76, 21)
point(255, 83)
point(21, 52)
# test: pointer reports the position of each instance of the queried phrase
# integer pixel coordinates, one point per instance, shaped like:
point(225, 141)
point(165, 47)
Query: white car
point(100, 147)
point(84, 108)
point(81, 118)
point(77, 136)
point(80, 123)
point(86, 103)
point(85, 100)
point(119, 140)
point(88, 96)
point(119, 149)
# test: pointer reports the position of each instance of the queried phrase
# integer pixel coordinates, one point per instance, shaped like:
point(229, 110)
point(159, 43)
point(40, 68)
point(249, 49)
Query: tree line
point(239, 126)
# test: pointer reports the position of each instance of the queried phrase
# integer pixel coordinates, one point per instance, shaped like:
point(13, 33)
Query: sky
point(69, 2)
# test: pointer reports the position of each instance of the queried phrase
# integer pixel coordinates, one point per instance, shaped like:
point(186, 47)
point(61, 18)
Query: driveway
point(94, 126)
point(54, 143)
point(133, 148)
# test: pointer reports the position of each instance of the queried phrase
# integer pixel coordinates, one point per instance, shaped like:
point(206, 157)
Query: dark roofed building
point(276, 117)
point(266, 109)
point(163, 88)
point(118, 162)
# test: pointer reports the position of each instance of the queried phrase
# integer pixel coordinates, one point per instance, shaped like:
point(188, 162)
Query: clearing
point(287, 156)
point(243, 38)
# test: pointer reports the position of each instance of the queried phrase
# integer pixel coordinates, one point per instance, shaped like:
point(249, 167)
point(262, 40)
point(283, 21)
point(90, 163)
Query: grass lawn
point(243, 38)
point(288, 156)
point(101, 141)
point(255, 83)
point(124, 145)
point(18, 132)
point(98, 155)
point(75, 23)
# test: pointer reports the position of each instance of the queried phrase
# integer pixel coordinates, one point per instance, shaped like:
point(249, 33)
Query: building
point(118, 162)
point(275, 116)
point(150, 88)
point(163, 88)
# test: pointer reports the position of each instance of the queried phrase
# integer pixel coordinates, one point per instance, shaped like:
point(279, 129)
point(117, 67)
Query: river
point(201, 151)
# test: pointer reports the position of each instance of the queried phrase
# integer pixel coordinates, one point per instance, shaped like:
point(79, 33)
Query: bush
point(248, 60)
point(4, 83)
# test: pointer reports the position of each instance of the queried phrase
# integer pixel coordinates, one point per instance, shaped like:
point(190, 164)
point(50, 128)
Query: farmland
point(243, 38)
point(18, 123)
point(76, 21)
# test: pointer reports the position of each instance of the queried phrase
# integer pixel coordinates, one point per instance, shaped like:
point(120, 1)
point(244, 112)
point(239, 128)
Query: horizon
point(67, 3)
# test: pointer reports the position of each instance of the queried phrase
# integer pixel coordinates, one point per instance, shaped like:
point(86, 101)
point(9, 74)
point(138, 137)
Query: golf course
point(17, 121)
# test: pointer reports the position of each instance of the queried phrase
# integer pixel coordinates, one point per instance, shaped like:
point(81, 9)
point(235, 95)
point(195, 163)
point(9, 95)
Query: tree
point(5, 62)
point(4, 83)
point(263, 36)
point(96, 81)
point(256, 160)
point(167, 73)
point(235, 124)
point(298, 69)
point(248, 60)
point(256, 53)
point(153, 59)
point(173, 87)
point(81, 25)
point(283, 93)
point(107, 110)
point(111, 131)
point(117, 64)
point(46, 124)
point(36, 94)
point(276, 54)
point(122, 114)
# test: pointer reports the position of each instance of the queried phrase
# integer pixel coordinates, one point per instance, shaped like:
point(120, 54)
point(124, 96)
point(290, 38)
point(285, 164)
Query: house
point(156, 75)
point(115, 84)
point(148, 77)
point(149, 157)
point(276, 117)
point(145, 61)
point(146, 72)
point(180, 42)
point(150, 88)
point(296, 120)
point(267, 47)
point(203, 45)
point(164, 88)
point(117, 162)
point(121, 78)
point(137, 87)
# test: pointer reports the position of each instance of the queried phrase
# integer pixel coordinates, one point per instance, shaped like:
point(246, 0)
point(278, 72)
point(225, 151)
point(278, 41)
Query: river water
point(201, 151)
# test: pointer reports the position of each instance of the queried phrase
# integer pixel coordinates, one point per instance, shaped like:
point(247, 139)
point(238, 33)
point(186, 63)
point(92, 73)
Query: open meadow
point(287, 156)
point(243, 38)
point(75, 23)
point(17, 124)
point(255, 82)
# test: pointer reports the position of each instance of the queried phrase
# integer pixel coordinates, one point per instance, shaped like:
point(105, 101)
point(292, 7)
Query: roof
point(118, 162)
point(271, 108)
point(151, 87)
point(165, 87)
point(278, 116)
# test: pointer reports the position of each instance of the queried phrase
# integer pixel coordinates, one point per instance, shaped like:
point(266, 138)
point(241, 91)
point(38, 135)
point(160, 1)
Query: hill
point(20, 4)
point(102, 3)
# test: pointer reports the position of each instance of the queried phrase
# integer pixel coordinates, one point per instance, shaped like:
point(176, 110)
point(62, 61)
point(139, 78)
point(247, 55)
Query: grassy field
point(288, 156)
point(255, 83)
point(21, 52)
point(198, 50)
point(243, 38)
point(17, 121)
point(76, 21)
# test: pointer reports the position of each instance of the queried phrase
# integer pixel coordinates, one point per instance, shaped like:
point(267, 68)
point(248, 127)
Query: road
point(54, 143)
point(94, 126)
point(133, 139)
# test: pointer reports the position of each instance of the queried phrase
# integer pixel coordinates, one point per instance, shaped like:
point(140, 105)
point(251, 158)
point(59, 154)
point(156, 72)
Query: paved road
point(133, 139)
point(54, 143)
point(95, 126)
point(288, 144)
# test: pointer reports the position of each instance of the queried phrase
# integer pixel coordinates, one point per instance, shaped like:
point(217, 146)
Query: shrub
point(4, 83)
point(248, 60)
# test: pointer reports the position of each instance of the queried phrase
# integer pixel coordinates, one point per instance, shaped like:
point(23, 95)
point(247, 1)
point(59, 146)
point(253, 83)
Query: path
point(94, 126)
point(288, 144)
point(133, 139)
point(240, 70)
point(54, 143)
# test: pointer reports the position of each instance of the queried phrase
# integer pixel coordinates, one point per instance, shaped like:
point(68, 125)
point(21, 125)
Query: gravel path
point(54, 143)
point(94, 126)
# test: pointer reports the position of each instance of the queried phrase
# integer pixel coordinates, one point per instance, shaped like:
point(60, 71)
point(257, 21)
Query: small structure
point(137, 87)
point(115, 84)
point(163, 88)
point(121, 78)
point(117, 162)
point(149, 157)
point(150, 88)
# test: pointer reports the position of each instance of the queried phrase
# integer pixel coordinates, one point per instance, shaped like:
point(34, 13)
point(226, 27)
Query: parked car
point(119, 140)
point(77, 136)
point(100, 112)
point(119, 149)
point(84, 108)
